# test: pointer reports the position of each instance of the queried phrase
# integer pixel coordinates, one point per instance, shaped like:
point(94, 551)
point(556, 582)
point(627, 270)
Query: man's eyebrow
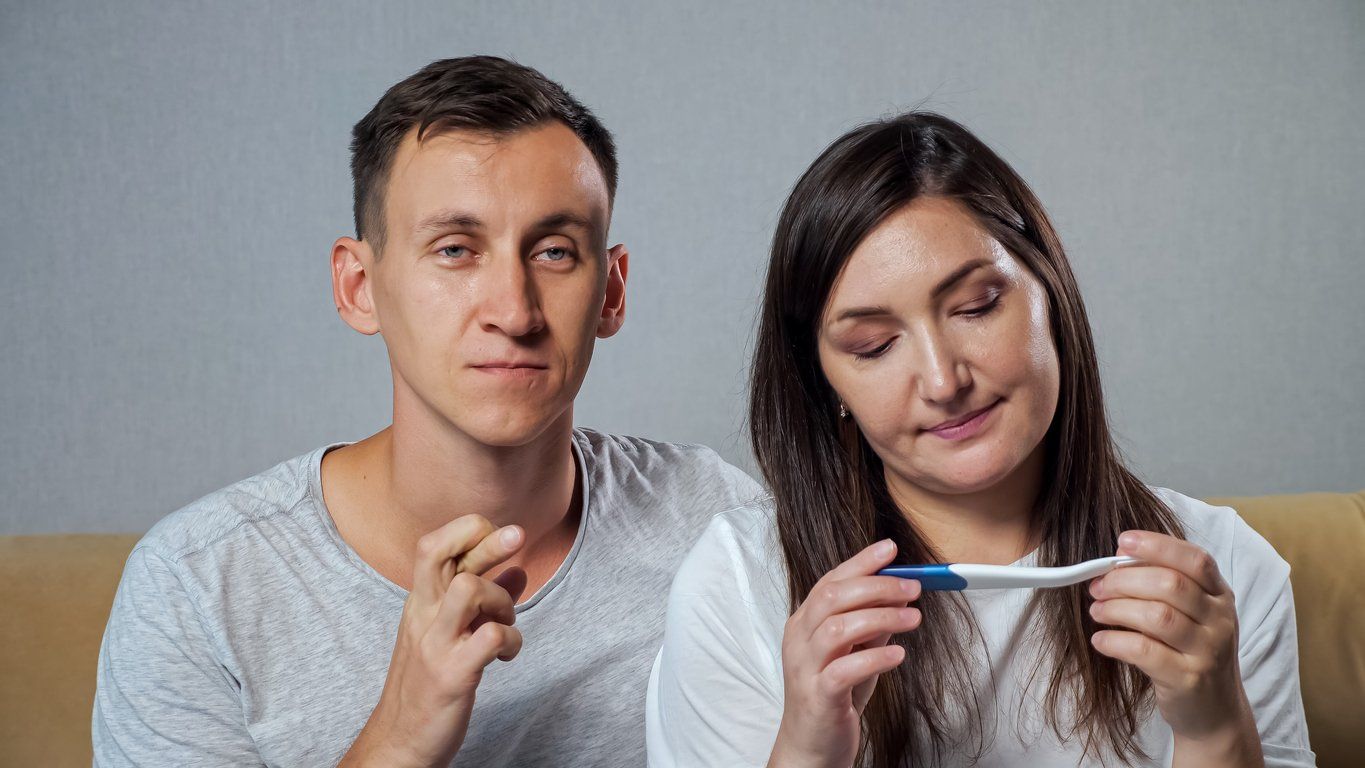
point(446, 220)
point(449, 220)
point(562, 219)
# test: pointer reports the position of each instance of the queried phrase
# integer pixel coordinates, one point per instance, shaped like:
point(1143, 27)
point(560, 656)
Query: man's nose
point(510, 303)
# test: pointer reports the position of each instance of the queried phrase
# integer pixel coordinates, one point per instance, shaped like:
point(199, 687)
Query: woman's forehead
point(916, 246)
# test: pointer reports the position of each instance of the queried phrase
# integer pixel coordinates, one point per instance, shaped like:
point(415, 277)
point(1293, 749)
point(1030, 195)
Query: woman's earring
point(843, 410)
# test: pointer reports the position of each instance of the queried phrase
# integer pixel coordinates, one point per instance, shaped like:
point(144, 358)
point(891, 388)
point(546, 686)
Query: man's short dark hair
point(486, 94)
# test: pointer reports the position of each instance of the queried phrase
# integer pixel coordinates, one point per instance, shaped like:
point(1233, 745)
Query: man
point(348, 605)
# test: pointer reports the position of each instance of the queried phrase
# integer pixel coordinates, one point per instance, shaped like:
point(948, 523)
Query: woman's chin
point(962, 477)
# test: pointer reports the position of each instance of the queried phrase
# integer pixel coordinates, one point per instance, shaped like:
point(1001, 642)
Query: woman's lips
point(964, 427)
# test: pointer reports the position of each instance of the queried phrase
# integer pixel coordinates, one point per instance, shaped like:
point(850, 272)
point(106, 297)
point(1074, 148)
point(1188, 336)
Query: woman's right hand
point(833, 649)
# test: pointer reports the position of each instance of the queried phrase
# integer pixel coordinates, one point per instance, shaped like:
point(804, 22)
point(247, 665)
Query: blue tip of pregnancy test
point(930, 577)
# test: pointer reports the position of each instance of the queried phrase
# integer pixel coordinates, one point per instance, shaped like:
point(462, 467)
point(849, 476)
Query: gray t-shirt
point(246, 631)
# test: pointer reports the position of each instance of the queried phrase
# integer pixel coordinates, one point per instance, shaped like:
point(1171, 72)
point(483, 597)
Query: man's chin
point(508, 430)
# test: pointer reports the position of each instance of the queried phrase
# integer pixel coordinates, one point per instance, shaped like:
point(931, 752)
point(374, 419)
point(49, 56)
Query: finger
point(433, 569)
point(1154, 658)
point(875, 642)
point(491, 550)
point(839, 634)
point(837, 680)
point(1152, 618)
point(867, 562)
point(837, 597)
point(1170, 552)
point(513, 580)
point(1155, 583)
point(471, 597)
point(491, 641)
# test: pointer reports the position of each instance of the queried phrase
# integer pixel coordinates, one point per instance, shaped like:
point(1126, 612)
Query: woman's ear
point(351, 261)
point(614, 304)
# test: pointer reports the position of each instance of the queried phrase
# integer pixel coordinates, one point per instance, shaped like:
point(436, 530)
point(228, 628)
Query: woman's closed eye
point(875, 352)
point(983, 306)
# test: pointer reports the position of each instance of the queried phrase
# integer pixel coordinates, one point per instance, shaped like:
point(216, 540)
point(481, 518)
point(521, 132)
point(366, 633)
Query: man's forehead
point(525, 173)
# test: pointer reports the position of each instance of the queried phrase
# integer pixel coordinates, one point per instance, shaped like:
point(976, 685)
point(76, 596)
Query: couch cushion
point(56, 592)
point(1322, 536)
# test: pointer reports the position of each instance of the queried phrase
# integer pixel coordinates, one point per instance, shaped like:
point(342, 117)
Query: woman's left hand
point(1179, 623)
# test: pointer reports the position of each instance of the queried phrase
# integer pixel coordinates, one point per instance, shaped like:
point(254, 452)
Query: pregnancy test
point(956, 576)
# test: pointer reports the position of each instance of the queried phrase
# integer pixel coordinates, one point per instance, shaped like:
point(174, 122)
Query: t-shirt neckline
point(314, 470)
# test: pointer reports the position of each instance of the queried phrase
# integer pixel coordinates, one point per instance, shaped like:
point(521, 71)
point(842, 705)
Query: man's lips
point(510, 365)
point(952, 424)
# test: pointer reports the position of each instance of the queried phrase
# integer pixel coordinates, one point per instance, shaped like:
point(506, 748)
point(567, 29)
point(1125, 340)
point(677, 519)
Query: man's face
point(493, 279)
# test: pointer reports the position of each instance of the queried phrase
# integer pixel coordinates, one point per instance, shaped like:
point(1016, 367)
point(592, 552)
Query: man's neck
point(995, 525)
point(389, 490)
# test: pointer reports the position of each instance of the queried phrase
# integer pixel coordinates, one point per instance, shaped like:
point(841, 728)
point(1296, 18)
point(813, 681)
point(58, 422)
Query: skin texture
point(931, 321)
point(493, 285)
point(942, 352)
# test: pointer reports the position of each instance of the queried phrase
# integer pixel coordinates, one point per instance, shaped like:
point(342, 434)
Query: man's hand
point(454, 623)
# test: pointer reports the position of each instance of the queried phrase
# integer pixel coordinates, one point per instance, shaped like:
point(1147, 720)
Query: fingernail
point(886, 548)
point(910, 587)
point(511, 536)
point(1128, 539)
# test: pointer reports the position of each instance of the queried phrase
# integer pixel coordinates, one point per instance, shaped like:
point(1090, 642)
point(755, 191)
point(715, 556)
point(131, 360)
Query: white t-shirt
point(715, 694)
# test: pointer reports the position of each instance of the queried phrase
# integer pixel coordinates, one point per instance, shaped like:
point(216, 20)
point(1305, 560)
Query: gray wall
point(174, 174)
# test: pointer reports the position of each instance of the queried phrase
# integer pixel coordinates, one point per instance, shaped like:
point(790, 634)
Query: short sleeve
point(1268, 651)
point(162, 697)
point(714, 696)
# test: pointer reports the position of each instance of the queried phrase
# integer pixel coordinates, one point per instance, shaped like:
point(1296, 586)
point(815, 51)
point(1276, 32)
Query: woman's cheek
point(880, 407)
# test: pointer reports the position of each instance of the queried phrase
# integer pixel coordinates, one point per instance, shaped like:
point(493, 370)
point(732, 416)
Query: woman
point(925, 389)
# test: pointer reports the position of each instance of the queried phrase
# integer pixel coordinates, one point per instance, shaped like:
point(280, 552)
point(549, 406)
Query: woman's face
point(937, 340)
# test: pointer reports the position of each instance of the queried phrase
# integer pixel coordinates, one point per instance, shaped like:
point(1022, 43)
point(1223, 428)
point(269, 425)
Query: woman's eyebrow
point(944, 285)
point(857, 312)
point(947, 283)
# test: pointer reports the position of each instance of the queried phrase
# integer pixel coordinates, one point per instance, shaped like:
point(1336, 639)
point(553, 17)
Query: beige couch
point(55, 593)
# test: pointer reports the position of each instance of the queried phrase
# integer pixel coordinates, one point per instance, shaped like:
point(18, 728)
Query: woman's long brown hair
point(829, 486)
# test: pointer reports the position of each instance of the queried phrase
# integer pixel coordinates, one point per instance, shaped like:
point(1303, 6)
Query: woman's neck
point(994, 525)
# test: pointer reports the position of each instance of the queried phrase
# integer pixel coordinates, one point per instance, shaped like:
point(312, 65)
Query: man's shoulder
point(206, 522)
point(664, 467)
point(642, 451)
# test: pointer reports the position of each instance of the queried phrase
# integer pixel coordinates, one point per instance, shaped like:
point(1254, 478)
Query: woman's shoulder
point(1244, 557)
point(737, 556)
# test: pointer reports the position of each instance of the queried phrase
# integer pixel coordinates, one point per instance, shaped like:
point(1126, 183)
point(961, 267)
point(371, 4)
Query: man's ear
point(351, 259)
point(614, 305)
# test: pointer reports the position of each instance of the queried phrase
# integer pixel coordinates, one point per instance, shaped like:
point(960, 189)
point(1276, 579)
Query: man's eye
point(454, 251)
point(554, 254)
